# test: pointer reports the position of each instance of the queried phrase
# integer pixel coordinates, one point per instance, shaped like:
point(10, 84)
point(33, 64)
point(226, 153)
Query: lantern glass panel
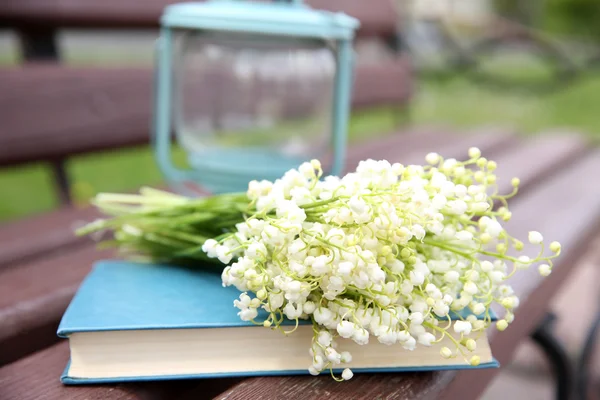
point(252, 101)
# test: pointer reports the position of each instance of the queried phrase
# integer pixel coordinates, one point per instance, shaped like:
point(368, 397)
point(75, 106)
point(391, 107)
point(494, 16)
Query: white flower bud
point(501, 325)
point(224, 254)
point(275, 300)
point(451, 276)
point(418, 231)
point(292, 312)
point(426, 338)
point(432, 158)
point(457, 207)
point(388, 337)
point(460, 191)
point(446, 352)
point(479, 309)
point(486, 266)
point(535, 237)
point(474, 152)
point(309, 307)
point(555, 247)
point(345, 268)
point(318, 362)
point(471, 345)
point(333, 356)
point(361, 336)
point(497, 276)
point(324, 338)
point(416, 278)
point(416, 318)
point(464, 327)
point(347, 374)
point(346, 357)
point(509, 317)
point(494, 228)
point(544, 270)
point(464, 235)
point(345, 329)
point(248, 314)
point(410, 344)
point(210, 248)
point(471, 288)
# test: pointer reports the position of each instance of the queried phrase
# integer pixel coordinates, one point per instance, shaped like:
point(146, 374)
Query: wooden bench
point(555, 189)
point(42, 263)
point(54, 111)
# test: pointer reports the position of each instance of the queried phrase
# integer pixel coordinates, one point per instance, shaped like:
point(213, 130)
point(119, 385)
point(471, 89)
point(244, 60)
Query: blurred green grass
point(29, 189)
point(455, 102)
point(461, 103)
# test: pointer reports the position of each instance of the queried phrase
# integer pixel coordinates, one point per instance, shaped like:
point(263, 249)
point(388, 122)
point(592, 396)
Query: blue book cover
point(120, 296)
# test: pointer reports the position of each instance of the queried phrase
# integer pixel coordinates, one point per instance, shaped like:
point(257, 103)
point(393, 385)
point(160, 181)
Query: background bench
point(95, 109)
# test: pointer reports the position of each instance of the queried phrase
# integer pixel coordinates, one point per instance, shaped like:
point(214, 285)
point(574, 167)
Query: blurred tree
point(576, 18)
point(573, 18)
point(527, 12)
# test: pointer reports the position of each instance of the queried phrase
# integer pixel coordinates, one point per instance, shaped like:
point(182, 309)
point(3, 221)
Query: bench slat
point(529, 162)
point(41, 235)
point(33, 296)
point(567, 209)
point(56, 112)
point(378, 17)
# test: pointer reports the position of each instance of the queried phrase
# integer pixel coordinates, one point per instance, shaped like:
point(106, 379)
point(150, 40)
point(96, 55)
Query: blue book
point(137, 322)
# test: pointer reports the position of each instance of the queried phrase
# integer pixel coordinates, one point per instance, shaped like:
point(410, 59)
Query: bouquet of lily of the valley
point(384, 253)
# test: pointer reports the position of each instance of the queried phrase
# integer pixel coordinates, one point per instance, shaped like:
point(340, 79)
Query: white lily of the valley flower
point(383, 251)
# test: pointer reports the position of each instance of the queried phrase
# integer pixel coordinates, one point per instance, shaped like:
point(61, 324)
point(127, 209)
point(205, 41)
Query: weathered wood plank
point(541, 157)
point(33, 296)
point(42, 235)
point(54, 112)
point(565, 208)
point(378, 17)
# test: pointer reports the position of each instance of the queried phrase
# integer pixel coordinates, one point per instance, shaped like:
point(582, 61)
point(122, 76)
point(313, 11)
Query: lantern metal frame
point(276, 19)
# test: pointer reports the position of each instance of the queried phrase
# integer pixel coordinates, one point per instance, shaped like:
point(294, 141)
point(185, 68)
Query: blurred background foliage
point(572, 18)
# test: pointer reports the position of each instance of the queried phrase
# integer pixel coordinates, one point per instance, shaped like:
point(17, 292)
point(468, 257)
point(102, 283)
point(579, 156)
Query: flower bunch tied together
point(387, 253)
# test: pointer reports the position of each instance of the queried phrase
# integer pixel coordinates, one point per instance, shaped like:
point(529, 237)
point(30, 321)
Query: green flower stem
point(320, 203)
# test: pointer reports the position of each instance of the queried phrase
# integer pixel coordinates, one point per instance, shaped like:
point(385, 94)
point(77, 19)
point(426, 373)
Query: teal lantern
point(251, 90)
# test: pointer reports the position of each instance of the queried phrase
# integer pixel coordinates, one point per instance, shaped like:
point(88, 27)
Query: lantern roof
point(280, 18)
